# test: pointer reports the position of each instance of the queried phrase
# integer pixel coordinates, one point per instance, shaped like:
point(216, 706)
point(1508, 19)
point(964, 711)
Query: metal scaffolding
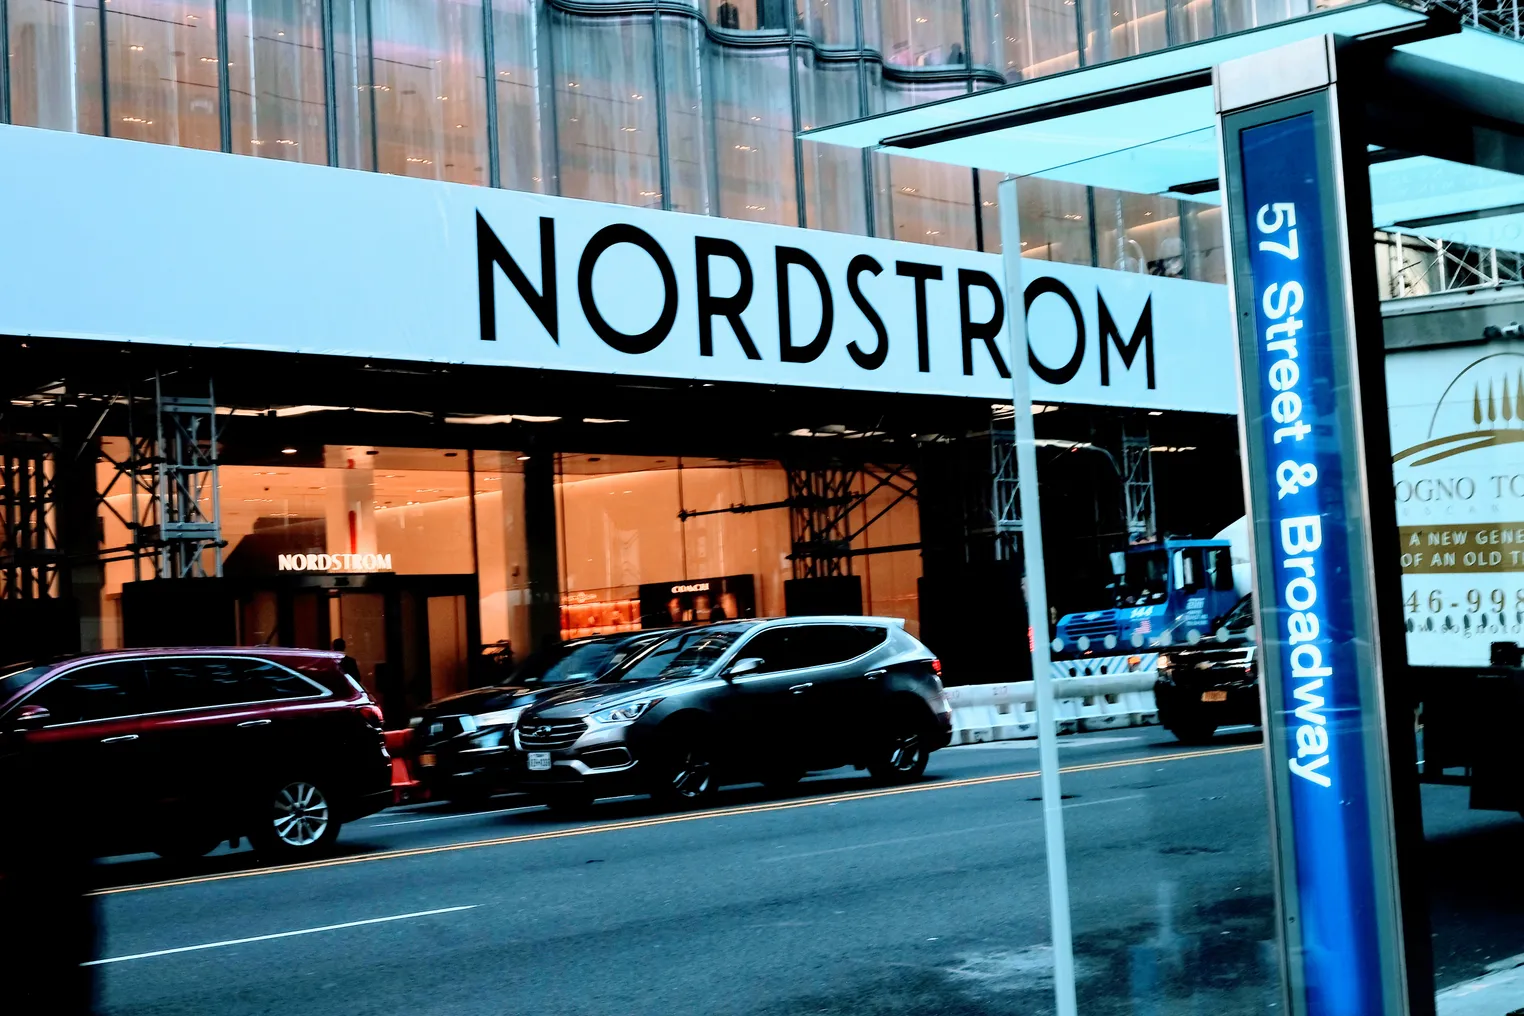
point(1421, 266)
point(30, 556)
point(1138, 487)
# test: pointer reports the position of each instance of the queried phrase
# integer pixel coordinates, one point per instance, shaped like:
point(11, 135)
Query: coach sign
point(315, 260)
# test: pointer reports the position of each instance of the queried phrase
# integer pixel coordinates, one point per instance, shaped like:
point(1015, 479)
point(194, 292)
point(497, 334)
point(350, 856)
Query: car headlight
point(1163, 663)
point(414, 721)
point(626, 713)
point(499, 717)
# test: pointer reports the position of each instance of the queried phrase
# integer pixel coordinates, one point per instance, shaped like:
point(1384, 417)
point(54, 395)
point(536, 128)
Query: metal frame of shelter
point(1345, 89)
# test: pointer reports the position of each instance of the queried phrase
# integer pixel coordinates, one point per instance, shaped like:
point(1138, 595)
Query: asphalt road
point(840, 898)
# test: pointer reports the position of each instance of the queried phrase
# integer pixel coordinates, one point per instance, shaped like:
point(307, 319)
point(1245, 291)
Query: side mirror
point(750, 665)
point(31, 717)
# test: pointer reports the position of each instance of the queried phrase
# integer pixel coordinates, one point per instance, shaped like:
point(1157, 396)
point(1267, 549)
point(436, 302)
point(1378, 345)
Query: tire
point(684, 776)
point(901, 753)
point(187, 847)
point(297, 820)
point(1193, 730)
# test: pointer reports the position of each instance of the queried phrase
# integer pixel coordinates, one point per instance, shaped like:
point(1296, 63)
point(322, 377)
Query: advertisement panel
point(1456, 414)
point(128, 242)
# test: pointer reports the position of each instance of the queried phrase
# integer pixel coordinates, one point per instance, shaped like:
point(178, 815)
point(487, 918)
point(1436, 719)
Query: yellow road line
point(660, 820)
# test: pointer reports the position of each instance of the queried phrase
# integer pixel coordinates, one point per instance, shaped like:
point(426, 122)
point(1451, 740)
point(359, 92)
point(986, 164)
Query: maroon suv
point(176, 750)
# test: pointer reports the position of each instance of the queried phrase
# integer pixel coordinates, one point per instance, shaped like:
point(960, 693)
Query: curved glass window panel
point(1118, 28)
point(984, 38)
point(1040, 37)
point(162, 61)
point(1239, 15)
point(1202, 227)
point(522, 109)
point(923, 33)
point(924, 202)
point(751, 15)
point(429, 89)
point(353, 74)
point(1191, 20)
point(1138, 233)
point(830, 92)
point(55, 48)
point(275, 79)
point(831, 22)
point(690, 148)
point(606, 109)
point(754, 133)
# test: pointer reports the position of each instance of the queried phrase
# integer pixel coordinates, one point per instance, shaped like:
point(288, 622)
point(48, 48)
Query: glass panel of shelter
point(1447, 208)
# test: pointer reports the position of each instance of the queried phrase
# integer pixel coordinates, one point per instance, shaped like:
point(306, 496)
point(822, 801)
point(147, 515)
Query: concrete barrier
point(1005, 712)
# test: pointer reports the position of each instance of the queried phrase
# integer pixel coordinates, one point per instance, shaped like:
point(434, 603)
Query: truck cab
point(1169, 591)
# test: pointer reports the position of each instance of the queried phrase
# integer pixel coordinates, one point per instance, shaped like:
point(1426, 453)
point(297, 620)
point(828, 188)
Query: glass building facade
point(662, 105)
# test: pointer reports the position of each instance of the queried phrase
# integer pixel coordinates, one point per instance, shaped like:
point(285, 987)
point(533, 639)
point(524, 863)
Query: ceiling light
point(288, 451)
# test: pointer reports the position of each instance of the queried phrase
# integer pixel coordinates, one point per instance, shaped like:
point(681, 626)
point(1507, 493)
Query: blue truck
point(1166, 590)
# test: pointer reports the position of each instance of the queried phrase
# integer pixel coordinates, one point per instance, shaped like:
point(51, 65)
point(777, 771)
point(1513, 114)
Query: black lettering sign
point(811, 350)
point(875, 359)
point(920, 273)
point(602, 240)
point(490, 251)
point(1064, 374)
point(984, 331)
point(1142, 335)
point(727, 307)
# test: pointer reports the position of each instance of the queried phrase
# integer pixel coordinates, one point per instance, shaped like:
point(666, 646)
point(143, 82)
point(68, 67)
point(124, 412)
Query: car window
point(568, 664)
point(18, 679)
point(655, 662)
point(811, 645)
point(198, 682)
point(98, 691)
point(700, 653)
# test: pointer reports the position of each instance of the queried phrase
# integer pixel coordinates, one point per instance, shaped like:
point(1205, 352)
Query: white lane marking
point(943, 832)
point(279, 934)
point(470, 814)
point(1017, 744)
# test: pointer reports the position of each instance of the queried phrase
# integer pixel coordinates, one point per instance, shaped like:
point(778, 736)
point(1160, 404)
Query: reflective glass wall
point(688, 109)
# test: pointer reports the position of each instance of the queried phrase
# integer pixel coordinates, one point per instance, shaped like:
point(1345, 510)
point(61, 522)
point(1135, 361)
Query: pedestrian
point(349, 664)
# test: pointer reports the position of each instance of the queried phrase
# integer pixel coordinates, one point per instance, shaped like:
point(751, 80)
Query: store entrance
point(414, 638)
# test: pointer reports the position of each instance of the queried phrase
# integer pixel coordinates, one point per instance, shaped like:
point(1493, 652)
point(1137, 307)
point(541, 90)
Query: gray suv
point(738, 702)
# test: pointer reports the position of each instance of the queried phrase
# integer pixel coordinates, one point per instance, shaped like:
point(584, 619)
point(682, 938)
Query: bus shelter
point(1320, 137)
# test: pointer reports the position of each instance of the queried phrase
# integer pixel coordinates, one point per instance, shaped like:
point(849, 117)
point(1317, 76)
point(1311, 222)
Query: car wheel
point(1195, 730)
point(902, 752)
point(298, 820)
point(687, 775)
point(186, 847)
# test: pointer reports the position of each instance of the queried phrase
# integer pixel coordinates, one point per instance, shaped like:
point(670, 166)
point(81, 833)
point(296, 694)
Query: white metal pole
point(1037, 601)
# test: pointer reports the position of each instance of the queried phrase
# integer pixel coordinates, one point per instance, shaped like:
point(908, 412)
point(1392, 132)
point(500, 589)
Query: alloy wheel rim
point(692, 776)
point(905, 752)
point(301, 814)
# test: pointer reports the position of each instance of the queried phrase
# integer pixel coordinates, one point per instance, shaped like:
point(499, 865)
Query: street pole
point(1037, 602)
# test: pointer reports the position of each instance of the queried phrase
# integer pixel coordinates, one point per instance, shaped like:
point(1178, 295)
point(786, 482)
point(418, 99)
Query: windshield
point(17, 679)
point(681, 656)
point(1241, 617)
point(1147, 577)
point(567, 664)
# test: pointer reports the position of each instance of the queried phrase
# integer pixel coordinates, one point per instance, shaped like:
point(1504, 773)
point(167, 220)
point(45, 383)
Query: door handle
point(253, 723)
point(118, 739)
point(874, 675)
point(799, 689)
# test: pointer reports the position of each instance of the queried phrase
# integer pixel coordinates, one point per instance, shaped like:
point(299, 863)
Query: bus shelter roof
point(1147, 124)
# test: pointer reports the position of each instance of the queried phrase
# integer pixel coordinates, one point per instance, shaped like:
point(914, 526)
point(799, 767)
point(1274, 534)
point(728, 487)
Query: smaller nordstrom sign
point(334, 562)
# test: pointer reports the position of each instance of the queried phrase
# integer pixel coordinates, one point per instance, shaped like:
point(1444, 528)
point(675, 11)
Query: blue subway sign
point(1300, 426)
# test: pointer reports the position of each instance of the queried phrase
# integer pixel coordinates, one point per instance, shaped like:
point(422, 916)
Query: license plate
point(1214, 696)
point(427, 759)
point(539, 760)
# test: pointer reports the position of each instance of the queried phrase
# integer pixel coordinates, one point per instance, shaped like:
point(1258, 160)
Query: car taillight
point(373, 715)
point(936, 667)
